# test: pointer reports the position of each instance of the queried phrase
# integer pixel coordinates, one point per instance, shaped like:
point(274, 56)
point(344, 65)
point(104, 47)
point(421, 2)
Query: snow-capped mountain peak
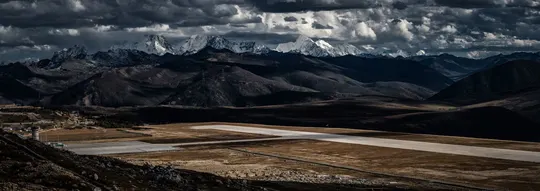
point(303, 38)
point(302, 45)
point(320, 48)
point(75, 52)
point(152, 44)
point(198, 42)
point(158, 44)
point(324, 44)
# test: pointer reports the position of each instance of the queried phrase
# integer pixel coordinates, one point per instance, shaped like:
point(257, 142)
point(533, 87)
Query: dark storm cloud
point(122, 13)
point(267, 38)
point(238, 25)
point(283, 6)
point(290, 19)
point(510, 21)
point(487, 3)
point(409, 25)
point(15, 44)
point(399, 5)
point(317, 25)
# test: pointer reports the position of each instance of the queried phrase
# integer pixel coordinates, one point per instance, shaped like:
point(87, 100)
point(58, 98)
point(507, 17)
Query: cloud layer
point(35, 28)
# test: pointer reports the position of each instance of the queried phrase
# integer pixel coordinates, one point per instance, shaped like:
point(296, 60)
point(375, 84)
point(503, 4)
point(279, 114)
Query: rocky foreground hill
point(31, 165)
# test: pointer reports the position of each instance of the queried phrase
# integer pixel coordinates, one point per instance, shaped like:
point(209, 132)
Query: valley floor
point(216, 148)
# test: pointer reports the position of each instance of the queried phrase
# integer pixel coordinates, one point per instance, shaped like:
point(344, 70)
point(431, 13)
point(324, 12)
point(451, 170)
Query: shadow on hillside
point(485, 122)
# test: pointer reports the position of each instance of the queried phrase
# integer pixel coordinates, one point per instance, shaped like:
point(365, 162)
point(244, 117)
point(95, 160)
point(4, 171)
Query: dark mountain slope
point(4, 101)
point(328, 76)
point(365, 70)
point(122, 87)
point(400, 90)
point(458, 68)
point(501, 81)
point(451, 66)
point(502, 59)
point(324, 81)
point(128, 77)
point(50, 81)
point(123, 57)
point(386, 69)
point(13, 91)
point(481, 122)
point(227, 86)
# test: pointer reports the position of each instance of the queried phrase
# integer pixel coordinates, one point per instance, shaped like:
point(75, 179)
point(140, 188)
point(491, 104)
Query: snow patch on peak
point(304, 38)
point(348, 49)
point(320, 48)
point(196, 43)
point(398, 53)
point(421, 53)
point(151, 44)
point(324, 44)
point(75, 52)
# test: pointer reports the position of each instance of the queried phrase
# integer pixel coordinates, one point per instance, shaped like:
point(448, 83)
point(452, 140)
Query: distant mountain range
point(212, 71)
point(306, 46)
point(151, 44)
point(450, 66)
point(211, 77)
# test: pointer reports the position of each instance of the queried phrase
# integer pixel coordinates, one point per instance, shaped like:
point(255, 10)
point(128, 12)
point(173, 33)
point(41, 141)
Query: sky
point(471, 28)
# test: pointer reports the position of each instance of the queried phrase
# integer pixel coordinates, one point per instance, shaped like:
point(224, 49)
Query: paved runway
point(140, 147)
point(506, 154)
point(116, 148)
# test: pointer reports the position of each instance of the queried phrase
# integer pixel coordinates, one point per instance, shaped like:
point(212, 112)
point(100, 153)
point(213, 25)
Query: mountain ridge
point(505, 79)
point(320, 48)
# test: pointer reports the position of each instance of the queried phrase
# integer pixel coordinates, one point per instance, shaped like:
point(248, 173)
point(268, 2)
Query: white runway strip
point(141, 147)
point(116, 148)
point(506, 154)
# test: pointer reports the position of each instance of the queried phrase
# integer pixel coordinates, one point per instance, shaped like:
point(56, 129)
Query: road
point(495, 153)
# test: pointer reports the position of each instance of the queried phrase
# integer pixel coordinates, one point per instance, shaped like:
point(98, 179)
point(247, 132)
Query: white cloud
point(152, 28)
point(449, 29)
point(422, 28)
point(401, 28)
point(243, 14)
point(103, 28)
point(435, 28)
point(440, 42)
point(5, 30)
point(73, 32)
point(525, 43)
point(362, 30)
point(76, 5)
point(489, 36)
point(70, 32)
